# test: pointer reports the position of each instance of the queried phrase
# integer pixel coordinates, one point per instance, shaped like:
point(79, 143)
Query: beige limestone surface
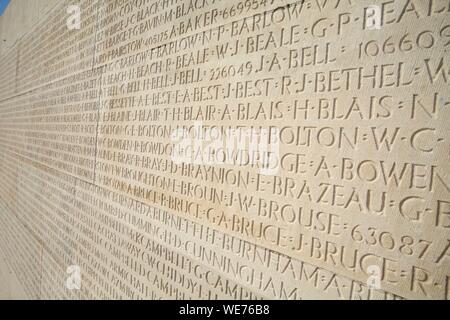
point(239, 149)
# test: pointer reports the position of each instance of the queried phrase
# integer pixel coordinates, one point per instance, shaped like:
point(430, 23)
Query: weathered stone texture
point(240, 149)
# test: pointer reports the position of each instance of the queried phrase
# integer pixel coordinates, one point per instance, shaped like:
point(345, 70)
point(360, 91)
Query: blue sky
point(3, 5)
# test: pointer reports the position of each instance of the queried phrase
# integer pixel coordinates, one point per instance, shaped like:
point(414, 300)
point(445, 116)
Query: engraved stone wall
point(239, 149)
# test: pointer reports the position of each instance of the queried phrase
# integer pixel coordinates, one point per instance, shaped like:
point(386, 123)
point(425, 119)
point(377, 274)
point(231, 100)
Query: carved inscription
point(239, 149)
